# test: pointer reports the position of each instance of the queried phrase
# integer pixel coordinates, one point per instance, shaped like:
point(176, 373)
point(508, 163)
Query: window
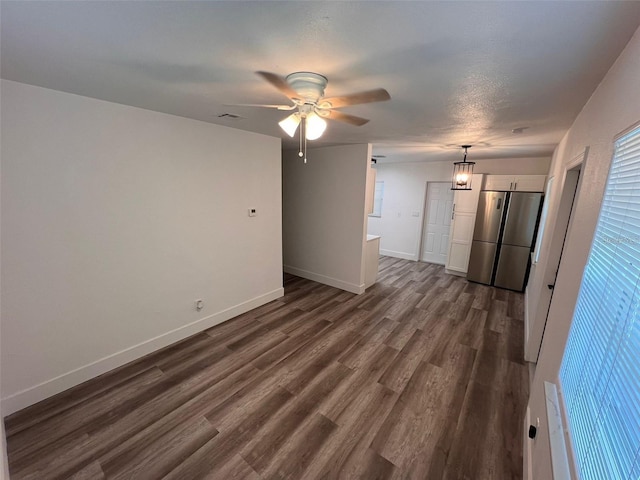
point(600, 372)
point(377, 200)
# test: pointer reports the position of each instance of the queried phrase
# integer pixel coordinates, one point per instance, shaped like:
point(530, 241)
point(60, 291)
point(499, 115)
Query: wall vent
point(230, 116)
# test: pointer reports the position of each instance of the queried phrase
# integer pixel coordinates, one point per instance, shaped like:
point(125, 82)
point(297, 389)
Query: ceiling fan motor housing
point(310, 86)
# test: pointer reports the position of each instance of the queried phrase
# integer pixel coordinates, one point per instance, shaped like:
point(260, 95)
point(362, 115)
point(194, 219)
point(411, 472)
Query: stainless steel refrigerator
point(506, 224)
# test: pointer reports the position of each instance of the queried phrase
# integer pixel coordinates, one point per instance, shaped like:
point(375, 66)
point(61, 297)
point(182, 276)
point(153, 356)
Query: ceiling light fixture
point(315, 126)
point(290, 124)
point(312, 126)
point(305, 90)
point(462, 172)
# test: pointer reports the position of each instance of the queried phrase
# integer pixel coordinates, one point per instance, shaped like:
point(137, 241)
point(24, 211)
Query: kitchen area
point(489, 231)
point(494, 228)
point(503, 238)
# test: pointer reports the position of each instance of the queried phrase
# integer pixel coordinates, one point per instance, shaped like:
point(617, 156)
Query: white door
point(540, 311)
point(437, 223)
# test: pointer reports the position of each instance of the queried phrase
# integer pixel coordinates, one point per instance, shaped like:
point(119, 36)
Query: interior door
point(437, 222)
point(563, 220)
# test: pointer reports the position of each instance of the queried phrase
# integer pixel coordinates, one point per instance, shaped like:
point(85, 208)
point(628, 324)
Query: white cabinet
point(530, 183)
point(515, 183)
point(372, 254)
point(462, 223)
point(498, 182)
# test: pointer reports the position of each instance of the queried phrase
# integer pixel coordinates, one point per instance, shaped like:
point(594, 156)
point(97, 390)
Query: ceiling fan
point(305, 90)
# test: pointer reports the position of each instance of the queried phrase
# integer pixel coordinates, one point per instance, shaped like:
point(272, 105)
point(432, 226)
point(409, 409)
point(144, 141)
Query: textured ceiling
point(457, 72)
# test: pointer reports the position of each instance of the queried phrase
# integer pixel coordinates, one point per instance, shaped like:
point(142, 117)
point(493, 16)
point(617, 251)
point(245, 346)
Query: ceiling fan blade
point(279, 107)
point(377, 95)
point(280, 83)
point(344, 117)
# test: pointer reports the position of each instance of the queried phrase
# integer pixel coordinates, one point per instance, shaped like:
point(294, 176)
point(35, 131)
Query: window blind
point(600, 371)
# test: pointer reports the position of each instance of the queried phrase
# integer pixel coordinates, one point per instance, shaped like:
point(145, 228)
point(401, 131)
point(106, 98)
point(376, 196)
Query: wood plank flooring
point(421, 377)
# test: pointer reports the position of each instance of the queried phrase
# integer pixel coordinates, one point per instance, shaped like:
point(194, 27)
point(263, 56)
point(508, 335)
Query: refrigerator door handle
point(499, 204)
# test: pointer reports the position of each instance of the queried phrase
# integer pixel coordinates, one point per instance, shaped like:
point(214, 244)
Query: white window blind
point(600, 372)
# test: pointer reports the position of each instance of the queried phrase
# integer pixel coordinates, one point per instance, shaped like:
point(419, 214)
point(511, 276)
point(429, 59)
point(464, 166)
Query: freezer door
point(481, 261)
point(489, 216)
point(512, 267)
point(520, 223)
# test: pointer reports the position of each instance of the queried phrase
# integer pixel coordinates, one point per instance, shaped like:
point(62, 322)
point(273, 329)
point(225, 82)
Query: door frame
point(547, 269)
point(425, 219)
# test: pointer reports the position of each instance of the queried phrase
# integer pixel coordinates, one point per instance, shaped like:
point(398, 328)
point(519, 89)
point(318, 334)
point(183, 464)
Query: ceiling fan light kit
point(462, 172)
point(290, 124)
point(306, 91)
point(314, 126)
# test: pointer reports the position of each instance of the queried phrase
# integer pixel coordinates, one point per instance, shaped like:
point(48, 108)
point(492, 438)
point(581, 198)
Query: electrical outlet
point(199, 305)
point(252, 212)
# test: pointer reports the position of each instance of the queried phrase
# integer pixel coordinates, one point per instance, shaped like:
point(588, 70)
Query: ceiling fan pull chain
point(300, 154)
point(304, 130)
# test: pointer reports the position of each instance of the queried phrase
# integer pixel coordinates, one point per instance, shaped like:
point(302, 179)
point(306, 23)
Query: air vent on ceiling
point(230, 116)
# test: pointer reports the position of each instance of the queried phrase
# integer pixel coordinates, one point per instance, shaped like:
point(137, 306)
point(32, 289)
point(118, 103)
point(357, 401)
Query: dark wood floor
point(421, 377)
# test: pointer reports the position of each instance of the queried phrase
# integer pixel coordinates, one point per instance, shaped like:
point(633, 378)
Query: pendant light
point(462, 172)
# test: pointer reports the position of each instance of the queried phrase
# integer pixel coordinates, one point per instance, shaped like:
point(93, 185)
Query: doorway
point(570, 190)
point(438, 207)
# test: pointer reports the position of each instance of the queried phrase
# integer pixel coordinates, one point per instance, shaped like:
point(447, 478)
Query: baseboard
point(526, 316)
point(332, 282)
point(455, 272)
point(403, 255)
point(32, 395)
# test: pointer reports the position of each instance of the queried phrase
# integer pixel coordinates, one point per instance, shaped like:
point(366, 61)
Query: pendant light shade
point(290, 124)
point(462, 172)
point(312, 126)
point(315, 126)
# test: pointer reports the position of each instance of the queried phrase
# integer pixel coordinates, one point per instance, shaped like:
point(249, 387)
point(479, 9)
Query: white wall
point(4, 464)
point(324, 218)
point(614, 107)
point(404, 191)
point(114, 221)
